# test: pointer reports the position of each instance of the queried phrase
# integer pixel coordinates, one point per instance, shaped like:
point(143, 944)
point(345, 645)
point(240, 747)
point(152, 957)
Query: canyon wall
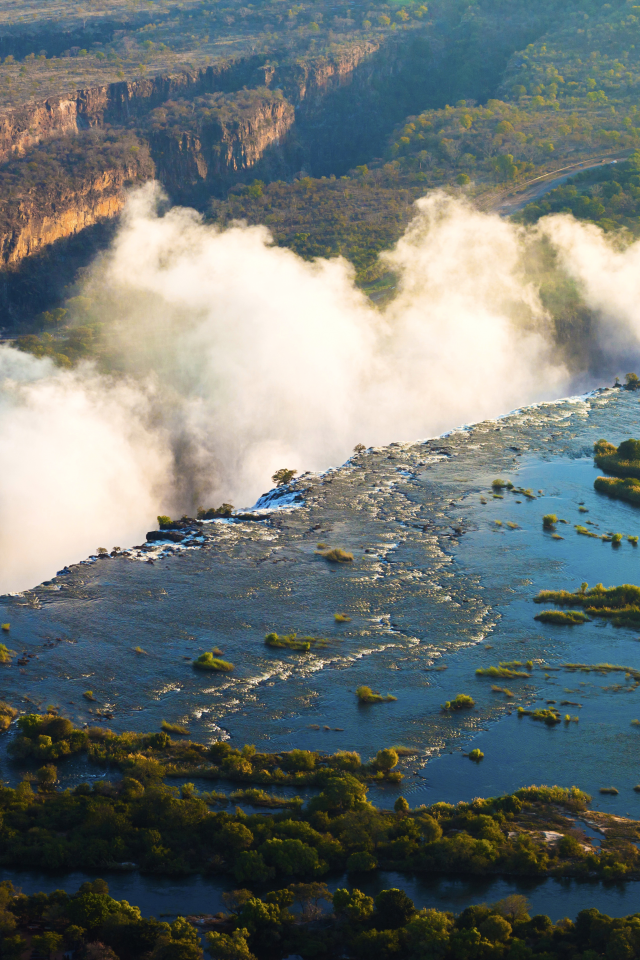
point(35, 221)
point(24, 126)
point(213, 153)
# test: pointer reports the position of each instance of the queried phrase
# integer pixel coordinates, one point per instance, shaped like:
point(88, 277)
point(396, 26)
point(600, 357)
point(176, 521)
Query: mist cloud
point(236, 357)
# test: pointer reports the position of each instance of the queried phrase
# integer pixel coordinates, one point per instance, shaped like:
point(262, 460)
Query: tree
point(249, 866)
point(47, 776)
point(339, 795)
point(234, 837)
point(98, 951)
point(221, 946)
point(48, 942)
point(293, 858)
point(629, 450)
point(495, 929)
point(308, 895)
point(393, 909)
point(283, 477)
point(401, 805)
point(514, 907)
point(361, 862)
point(13, 947)
point(352, 904)
point(386, 759)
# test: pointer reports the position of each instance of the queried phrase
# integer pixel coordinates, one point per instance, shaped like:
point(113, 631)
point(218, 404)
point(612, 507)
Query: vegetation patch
point(175, 728)
point(207, 661)
point(292, 641)
point(550, 716)
point(619, 489)
point(461, 702)
point(260, 798)
point(585, 532)
point(476, 755)
point(620, 604)
point(503, 671)
point(622, 461)
point(366, 695)
point(562, 617)
point(336, 555)
point(7, 715)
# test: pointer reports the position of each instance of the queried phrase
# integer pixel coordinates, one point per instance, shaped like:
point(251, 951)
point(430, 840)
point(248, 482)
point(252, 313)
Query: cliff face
point(191, 152)
point(312, 81)
point(35, 221)
point(29, 124)
point(224, 142)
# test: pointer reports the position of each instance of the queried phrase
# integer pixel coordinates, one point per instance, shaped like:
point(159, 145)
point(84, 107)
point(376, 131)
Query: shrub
point(346, 760)
point(283, 477)
point(290, 642)
point(6, 654)
point(224, 510)
point(549, 521)
point(337, 555)
point(386, 759)
point(501, 672)
point(461, 702)
point(163, 521)
point(343, 618)
point(7, 714)
point(207, 661)
point(393, 909)
point(366, 695)
point(476, 755)
point(550, 716)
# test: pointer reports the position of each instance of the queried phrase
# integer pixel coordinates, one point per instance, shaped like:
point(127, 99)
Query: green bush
point(461, 702)
point(366, 695)
point(207, 661)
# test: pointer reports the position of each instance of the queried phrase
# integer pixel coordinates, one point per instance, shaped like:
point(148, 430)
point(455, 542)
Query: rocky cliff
point(39, 217)
point(220, 137)
point(202, 136)
point(28, 124)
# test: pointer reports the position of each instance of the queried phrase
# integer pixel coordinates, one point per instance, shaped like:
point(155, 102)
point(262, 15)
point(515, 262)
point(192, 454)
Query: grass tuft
point(174, 728)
